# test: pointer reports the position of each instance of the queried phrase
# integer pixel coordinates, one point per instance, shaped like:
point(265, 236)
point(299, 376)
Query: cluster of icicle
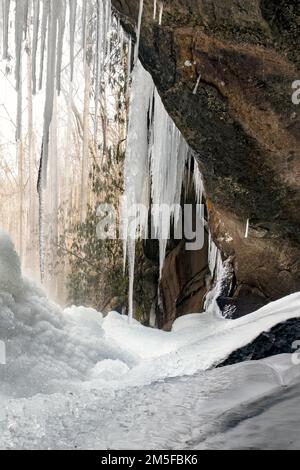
point(157, 156)
point(43, 23)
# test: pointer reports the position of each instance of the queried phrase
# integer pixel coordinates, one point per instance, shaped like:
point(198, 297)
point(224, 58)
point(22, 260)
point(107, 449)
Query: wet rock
point(279, 340)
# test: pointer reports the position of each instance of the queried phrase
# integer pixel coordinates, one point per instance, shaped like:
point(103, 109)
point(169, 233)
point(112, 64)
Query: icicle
point(6, 8)
point(161, 10)
point(154, 9)
point(25, 16)
point(108, 21)
point(19, 102)
point(144, 163)
point(19, 28)
point(46, 9)
point(138, 31)
point(48, 111)
point(61, 31)
point(73, 8)
point(50, 86)
point(42, 235)
point(197, 85)
point(121, 45)
point(166, 173)
point(97, 71)
point(2, 25)
point(199, 189)
point(221, 272)
point(36, 19)
point(129, 61)
point(83, 25)
point(136, 168)
point(247, 229)
point(212, 255)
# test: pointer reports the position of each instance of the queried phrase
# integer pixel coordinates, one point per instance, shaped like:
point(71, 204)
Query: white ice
point(74, 379)
point(151, 135)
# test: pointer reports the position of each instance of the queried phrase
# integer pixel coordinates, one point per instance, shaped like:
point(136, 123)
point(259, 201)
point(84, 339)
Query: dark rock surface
point(241, 123)
point(279, 340)
point(184, 283)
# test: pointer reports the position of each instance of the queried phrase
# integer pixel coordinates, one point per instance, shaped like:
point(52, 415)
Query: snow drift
point(52, 353)
point(49, 349)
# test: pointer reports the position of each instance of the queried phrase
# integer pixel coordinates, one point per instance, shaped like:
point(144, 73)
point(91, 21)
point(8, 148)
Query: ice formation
point(197, 85)
point(155, 163)
point(161, 10)
point(212, 255)
point(157, 157)
point(138, 31)
point(68, 374)
point(199, 189)
point(247, 229)
point(136, 169)
point(154, 9)
point(46, 21)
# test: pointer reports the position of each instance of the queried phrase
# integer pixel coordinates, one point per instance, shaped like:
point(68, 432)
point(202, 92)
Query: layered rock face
point(241, 122)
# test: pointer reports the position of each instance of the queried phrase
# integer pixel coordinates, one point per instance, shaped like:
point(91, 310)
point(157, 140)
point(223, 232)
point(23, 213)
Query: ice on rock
point(154, 9)
point(136, 167)
point(247, 229)
point(167, 173)
point(138, 31)
point(199, 189)
point(197, 85)
point(213, 253)
point(161, 10)
point(151, 135)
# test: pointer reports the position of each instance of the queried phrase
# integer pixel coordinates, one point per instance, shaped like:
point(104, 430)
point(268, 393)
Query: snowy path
point(234, 407)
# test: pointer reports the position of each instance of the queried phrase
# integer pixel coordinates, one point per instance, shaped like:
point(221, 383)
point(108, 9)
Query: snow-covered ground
point(75, 380)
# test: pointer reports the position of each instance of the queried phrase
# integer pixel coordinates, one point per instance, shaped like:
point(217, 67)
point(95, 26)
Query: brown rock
point(241, 123)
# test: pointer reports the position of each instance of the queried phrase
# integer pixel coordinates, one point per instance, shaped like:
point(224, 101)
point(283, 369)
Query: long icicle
point(19, 29)
point(97, 63)
point(73, 8)
point(138, 31)
point(46, 9)
point(36, 23)
point(48, 111)
point(161, 10)
point(136, 169)
point(154, 9)
point(6, 8)
point(83, 22)
point(60, 40)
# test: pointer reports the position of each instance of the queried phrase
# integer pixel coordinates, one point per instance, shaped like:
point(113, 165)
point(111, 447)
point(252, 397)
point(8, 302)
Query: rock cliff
point(243, 126)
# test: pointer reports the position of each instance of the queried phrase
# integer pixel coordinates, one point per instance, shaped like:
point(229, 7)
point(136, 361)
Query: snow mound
point(52, 350)
point(10, 270)
point(77, 365)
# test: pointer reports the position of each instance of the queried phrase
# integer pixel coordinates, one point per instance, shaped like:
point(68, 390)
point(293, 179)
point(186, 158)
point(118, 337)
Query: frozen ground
point(75, 380)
